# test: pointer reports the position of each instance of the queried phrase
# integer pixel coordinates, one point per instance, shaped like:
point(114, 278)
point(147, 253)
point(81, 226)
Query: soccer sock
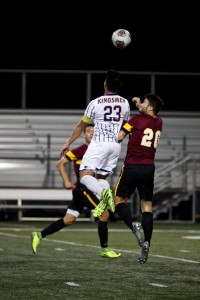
point(103, 233)
point(92, 184)
point(104, 183)
point(53, 227)
point(147, 224)
point(124, 213)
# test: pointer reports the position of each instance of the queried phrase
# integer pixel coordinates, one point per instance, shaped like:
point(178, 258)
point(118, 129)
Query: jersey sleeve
point(129, 126)
point(86, 119)
point(76, 153)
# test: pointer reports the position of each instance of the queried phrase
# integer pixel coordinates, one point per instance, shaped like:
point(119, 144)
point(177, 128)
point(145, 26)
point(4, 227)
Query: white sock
point(92, 184)
point(104, 183)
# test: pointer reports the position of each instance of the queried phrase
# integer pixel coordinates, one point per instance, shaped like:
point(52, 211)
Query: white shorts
point(101, 157)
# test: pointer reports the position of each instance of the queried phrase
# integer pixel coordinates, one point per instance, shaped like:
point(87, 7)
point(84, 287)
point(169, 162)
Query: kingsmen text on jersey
point(107, 113)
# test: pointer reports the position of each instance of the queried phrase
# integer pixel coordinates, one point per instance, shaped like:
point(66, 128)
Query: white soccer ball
point(121, 38)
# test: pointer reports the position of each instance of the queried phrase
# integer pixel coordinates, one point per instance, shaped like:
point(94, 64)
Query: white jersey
point(108, 113)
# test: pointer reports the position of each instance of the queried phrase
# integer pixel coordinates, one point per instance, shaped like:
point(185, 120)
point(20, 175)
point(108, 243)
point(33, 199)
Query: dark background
point(77, 36)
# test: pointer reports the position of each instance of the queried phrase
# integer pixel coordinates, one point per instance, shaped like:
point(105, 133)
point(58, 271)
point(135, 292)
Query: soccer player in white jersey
point(108, 113)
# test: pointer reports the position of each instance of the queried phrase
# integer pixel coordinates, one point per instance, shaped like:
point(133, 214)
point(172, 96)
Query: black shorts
point(82, 197)
point(140, 177)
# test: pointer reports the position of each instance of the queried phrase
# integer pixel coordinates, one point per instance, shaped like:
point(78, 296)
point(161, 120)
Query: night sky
point(78, 36)
point(74, 37)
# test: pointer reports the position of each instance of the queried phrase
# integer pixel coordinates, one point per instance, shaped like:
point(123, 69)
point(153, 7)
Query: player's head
point(112, 81)
point(152, 102)
point(88, 133)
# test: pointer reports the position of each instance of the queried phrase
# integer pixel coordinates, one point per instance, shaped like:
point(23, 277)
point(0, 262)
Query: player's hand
point(69, 185)
point(137, 101)
point(64, 149)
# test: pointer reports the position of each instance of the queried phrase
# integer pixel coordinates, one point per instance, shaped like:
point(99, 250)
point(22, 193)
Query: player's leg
point(94, 162)
point(147, 225)
point(147, 219)
point(91, 201)
point(88, 168)
point(92, 183)
point(99, 187)
point(109, 164)
point(107, 196)
point(146, 194)
point(124, 189)
point(72, 213)
point(37, 236)
point(103, 237)
point(124, 212)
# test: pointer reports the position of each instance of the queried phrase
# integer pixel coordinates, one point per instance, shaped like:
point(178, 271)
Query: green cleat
point(107, 194)
point(36, 238)
point(106, 200)
point(107, 252)
point(99, 209)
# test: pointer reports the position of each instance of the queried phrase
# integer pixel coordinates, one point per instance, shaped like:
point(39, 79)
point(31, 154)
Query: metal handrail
point(172, 165)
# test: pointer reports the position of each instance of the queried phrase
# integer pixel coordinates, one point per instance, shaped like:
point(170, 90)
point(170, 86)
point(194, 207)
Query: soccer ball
point(121, 38)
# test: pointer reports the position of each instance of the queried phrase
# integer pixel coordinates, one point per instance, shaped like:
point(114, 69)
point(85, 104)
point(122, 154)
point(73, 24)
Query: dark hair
point(113, 80)
point(155, 101)
point(88, 125)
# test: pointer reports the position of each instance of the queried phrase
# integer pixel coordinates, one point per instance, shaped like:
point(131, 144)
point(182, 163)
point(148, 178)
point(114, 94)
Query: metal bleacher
point(26, 144)
point(27, 141)
point(30, 145)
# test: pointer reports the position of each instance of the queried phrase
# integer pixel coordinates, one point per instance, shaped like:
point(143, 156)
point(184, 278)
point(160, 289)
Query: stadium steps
point(167, 204)
point(31, 139)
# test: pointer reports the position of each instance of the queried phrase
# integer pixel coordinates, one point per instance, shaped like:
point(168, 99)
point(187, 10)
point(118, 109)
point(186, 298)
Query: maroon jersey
point(144, 135)
point(76, 156)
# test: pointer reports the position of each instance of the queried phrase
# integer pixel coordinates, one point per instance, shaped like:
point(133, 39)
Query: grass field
point(68, 265)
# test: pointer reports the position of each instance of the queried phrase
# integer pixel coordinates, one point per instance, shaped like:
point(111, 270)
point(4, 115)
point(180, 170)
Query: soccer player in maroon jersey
point(82, 197)
point(144, 131)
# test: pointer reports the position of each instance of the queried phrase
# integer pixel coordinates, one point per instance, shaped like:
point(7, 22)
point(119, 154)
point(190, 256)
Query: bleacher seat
point(26, 137)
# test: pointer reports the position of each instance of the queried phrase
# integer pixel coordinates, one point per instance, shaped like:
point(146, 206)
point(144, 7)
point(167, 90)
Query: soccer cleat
point(107, 252)
point(99, 209)
point(144, 253)
point(137, 233)
point(36, 238)
point(108, 196)
point(106, 200)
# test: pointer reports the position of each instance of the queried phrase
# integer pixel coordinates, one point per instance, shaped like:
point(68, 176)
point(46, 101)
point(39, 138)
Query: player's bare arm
point(62, 170)
point(78, 130)
point(121, 135)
